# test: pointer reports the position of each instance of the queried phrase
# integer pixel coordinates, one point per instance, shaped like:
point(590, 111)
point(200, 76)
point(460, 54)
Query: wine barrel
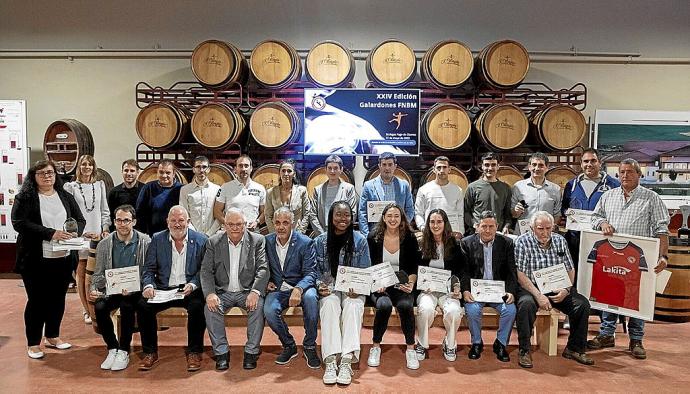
point(90, 267)
point(319, 176)
point(447, 65)
point(275, 64)
point(447, 126)
point(391, 64)
point(503, 64)
point(220, 174)
point(502, 126)
point(274, 124)
point(217, 64)
point(673, 304)
point(103, 175)
point(150, 174)
point(64, 141)
point(217, 125)
point(561, 175)
point(162, 124)
point(329, 64)
point(509, 175)
point(399, 172)
point(559, 127)
point(267, 175)
point(455, 175)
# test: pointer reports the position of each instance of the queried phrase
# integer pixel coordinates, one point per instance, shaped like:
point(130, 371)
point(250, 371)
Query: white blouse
point(53, 215)
point(393, 258)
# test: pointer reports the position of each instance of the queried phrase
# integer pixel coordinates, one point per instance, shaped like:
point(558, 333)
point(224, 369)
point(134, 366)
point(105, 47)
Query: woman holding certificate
point(441, 252)
point(392, 242)
point(40, 213)
point(340, 313)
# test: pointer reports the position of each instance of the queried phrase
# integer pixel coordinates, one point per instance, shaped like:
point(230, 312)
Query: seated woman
point(288, 193)
point(341, 314)
point(439, 250)
point(392, 241)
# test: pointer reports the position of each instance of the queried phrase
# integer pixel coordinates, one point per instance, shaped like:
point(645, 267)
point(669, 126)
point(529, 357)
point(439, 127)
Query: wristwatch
point(664, 256)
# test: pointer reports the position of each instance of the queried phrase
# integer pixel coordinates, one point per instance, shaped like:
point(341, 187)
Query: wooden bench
point(545, 327)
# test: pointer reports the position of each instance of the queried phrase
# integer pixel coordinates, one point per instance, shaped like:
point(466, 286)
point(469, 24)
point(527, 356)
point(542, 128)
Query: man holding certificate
point(117, 254)
point(490, 279)
point(535, 252)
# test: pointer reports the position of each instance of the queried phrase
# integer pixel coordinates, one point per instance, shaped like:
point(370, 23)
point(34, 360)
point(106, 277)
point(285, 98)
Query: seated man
point(173, 261)
point(235, 273)
point(292, 262)
point(489, 256)
point(539, 249)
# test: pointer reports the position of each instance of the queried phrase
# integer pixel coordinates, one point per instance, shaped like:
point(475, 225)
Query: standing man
point(537, 192)
point(235, 273)
point(125, 247)
point(385, 187)
point(536, 250)
point(633, 210)
point(156, 198)
point(441, 194)
point(198, 198)
point(292, 262)
point(242, 193)
point(488, 194)
point(173, 261)
point(334, 189)
point(489, 256)
point(125, 193)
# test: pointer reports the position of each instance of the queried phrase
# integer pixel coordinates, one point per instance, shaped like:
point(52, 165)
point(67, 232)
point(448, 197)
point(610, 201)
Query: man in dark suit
point(173, 261)
point(292, 261)
point(489, 256)
point(235, 273)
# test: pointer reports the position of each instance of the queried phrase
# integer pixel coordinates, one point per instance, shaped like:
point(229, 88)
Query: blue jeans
point(608, 326)
point(507, 312)
point(277, 301)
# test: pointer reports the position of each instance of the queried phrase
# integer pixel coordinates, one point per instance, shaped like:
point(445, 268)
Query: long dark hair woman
point(40, 213)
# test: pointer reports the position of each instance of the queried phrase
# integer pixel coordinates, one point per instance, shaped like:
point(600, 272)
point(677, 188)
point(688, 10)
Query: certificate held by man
point(382, 276)
point(578, 219)
point(119, 279)
point(490, 291)
point(433, 279)
point(357, 279)
point(552, 278)
point(375, 209)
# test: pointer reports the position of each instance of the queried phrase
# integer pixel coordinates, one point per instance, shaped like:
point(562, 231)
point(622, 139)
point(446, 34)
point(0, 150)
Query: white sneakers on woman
point(411, 358)
point(35, 354)
point(117, 360)
point(374, 359)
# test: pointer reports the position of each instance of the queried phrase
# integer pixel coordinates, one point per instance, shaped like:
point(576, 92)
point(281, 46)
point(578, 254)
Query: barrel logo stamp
point(448, 124)
point(505, 124)
point(329, 61)
point(393, 59)
point(271, 123)
point(563, 125)
point(61, 136)
point(272, 59)
point(214, 60)
point(506, 61)
point(318, 103)
point(451, 60)
point(213, 123)
point(157, 123)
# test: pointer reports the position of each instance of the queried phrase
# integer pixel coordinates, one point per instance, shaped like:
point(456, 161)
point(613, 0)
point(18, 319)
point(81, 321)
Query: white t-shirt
point(448, 197)
point(247, 199)
point(393, 258)
point(198, 200)
point(53, 215)
point(93, 203)
point(438, 263)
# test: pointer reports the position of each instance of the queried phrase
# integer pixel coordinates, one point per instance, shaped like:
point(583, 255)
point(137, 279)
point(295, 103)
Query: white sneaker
point(411, 357)
point(330, 376)
point(35, 355)
point(566, 323)
point(109, 360)
point(87, 318)
point(449, 354)
point(345, 373)
point(121, 361)
point(374, 359)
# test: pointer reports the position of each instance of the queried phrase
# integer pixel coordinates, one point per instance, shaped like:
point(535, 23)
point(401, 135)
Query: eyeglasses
point(234, 225)
point(48, 173)
point(123, 221)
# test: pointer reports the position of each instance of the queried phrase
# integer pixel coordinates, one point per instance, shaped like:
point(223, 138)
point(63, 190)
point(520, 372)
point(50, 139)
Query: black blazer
point(26, 220)
point(409, 253)
point(453, 262)
point(503, 263)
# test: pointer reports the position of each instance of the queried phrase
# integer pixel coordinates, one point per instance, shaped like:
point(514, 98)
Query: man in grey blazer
point(234, 272)
point(334, 189)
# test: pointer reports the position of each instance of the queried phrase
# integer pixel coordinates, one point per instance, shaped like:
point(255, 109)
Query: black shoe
point(249, 361)
point(501, 352)
point(222, 362)
point(288, 353)
point(476, 351)
point(313, 360)
point(525, 359)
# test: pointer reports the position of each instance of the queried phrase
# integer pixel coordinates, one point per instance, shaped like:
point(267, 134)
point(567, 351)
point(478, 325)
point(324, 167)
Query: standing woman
point(38, 215)
point(89, 192)
point(392, 241)
point(439, 250)
point(288, 193)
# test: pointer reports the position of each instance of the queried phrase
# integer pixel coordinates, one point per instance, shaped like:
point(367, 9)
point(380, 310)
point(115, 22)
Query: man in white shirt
point(234, 273)
point(199, 197)
point(242, 193)
point(441, 194)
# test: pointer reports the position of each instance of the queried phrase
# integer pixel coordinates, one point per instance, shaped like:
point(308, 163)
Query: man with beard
point(488, 194)
point(125, 193)
point(242, 193)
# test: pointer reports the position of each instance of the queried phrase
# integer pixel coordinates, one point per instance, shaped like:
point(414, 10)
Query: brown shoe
point(148, 361)
point(524, 359)
point(637, 349)
point(581, 358)
point(601, 341)
point(193, 362)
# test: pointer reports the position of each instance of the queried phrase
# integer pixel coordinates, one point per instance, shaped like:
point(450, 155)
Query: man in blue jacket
point(385, 187)
point(292, 262)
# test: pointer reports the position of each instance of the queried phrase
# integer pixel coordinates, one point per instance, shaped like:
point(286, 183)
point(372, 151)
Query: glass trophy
point(328, 281)
point(71, 226)
point(453, 281)
point(403, 278)
point(684, 231)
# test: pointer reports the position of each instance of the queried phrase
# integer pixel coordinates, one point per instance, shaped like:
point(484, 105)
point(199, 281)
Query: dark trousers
point(575, 305)
point(46, 285)
point(573, 239)
point(196, 324)
point(127, 305)
point(404, 304)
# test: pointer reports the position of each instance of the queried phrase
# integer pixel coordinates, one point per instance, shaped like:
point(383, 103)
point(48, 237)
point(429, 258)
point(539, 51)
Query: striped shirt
point(644, 214)
point(530, 257)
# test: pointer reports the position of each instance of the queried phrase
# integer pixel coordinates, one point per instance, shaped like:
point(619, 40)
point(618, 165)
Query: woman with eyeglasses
point(288, 193)
point(39, 213)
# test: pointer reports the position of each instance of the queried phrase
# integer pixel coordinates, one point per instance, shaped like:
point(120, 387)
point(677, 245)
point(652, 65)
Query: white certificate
point(71, 244)
point(454, 221)
point(163, 296)
point(374, 210)
point(578, 219)
point(382, 275)
point(552, 278)
point(488, 290)
point(524, 226)
point(118, 279)
point(357, 279)
point(433, 279)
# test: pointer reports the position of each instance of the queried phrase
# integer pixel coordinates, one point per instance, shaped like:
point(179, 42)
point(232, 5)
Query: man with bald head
point(173, 261)
point(234, 272)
